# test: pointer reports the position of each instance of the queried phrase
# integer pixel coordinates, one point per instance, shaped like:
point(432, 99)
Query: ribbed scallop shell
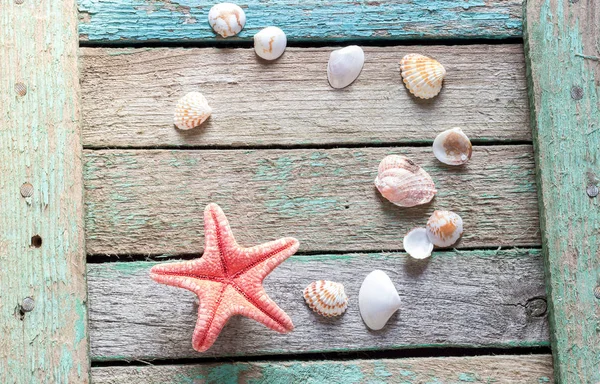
point(444, 228)
point(191, 111)
point(422, 75)
point(326, 298)
point(403, 182)
point(452, 147)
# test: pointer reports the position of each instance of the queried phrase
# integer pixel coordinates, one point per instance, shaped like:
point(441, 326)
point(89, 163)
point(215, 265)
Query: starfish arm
point(218, 238)
point(204, 267)
point(244, 259)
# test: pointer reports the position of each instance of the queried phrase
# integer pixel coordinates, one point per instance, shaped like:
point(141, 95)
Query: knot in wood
point(536, 307)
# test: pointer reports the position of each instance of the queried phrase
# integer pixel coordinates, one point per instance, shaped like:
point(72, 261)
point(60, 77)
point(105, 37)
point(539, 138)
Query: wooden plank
point(563, 39)
point(129, 97)
point(525, 369)
point(312, 20)
point(42, 254)
point(467, 299)
point(152, 202)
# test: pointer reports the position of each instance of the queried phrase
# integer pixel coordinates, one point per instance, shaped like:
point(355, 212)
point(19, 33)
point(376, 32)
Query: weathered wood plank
point(525, 369)
point(185, 20)
point(129, 97)
point(562, 40)
point(468, 298)
point(152, 202)
point(42, 254)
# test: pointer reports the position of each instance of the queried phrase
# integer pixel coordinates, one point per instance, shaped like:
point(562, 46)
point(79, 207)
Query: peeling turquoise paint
point(309, 373)
point(467, 377)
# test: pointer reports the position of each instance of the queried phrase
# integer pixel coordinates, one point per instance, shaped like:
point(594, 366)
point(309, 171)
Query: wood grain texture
point(525, 369)
point(468, 298)
point(563, 41)
point(40, 144)
point(152, 202)
point(309, 20)
point(129, 97)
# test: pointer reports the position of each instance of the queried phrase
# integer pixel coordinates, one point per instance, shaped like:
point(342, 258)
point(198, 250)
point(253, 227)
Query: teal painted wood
point(529, 369)
point(562, 40)
point(42, 254)
point(337, 20)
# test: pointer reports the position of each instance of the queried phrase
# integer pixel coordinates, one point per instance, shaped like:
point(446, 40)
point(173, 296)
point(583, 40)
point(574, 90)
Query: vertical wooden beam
point(43, 317)
point(562, 41)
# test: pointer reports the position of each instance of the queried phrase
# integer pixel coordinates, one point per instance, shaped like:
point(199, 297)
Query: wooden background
point(286, 155)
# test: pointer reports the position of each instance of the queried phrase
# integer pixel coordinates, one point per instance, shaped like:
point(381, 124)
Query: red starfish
point(228, 279)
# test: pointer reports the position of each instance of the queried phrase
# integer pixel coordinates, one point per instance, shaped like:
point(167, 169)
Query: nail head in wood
point(597, 292)
point(26, 190)
point(28, 304)
point(19, 2)
point(577, 93)
point(592, 190)
point(21, 89)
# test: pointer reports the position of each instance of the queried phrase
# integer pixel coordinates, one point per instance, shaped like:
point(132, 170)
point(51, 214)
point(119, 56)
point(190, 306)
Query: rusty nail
point(27, 305)
point(592, 190)
point(577, 93)
point(597, 292)
point(26, 190)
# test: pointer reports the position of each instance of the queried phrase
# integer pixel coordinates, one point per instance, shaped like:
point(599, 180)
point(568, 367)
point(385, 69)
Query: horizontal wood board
point(152, 202)
point(467, 299)
point(523, 369)
point(129, 97)
point(130, 21)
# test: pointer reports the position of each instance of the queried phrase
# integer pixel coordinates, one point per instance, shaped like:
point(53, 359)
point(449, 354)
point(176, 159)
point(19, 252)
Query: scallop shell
point(270, 43)
point(226, 19)
point(191, 111)
point(452, 147)
point(444, 228)
point(344, 66)
point(326, 298)
point(403, 182)
point(417, 243)
point(377, 299)
point(422, 75)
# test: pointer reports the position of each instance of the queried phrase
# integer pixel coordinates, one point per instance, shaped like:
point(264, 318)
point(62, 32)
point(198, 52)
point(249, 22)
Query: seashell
point(417, 243)
point(270, 43)
point(403, 182)
point(422, 75)
point(226, 19)
point(326, 298)
point(191, 111)
point(344, 66)
point(452, 147)
point(444, 228)
point(377, 299)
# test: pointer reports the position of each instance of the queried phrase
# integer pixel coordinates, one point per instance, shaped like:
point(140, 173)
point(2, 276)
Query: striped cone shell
point(403, 182)
point(326, 298)
point(191, 111)
point(422, 75)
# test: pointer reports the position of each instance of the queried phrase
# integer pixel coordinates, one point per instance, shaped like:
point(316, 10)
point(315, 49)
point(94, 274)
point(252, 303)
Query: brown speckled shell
point(326, 298)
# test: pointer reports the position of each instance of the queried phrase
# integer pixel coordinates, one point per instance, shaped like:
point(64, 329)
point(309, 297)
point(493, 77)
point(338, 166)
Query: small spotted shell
point(452, 147)
point(444, 228)
point(403, 182)
point(226, 19)
point(191, 111)
point(422, 75)
point(326, 298)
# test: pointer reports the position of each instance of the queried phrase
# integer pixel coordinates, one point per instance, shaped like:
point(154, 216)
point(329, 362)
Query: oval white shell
point(326, 298)
point(377, 299)
point(403, 182)
point(226, 19)
point(191, 111)
point(444, 228)
point(270, 43)
point(422, 75)
point(452, 147)
point(417, 244)
point(344, 66)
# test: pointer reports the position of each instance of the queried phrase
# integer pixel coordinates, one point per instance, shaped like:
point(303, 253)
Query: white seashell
point(452, 147)
point(377, 299)
point(403, 182)
point(326, 298)
point(422, 75)
point(270, 43)
point(226, 19)
point(444, 228)
point(344, 66)
point(191, 111)
point(417, 243)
